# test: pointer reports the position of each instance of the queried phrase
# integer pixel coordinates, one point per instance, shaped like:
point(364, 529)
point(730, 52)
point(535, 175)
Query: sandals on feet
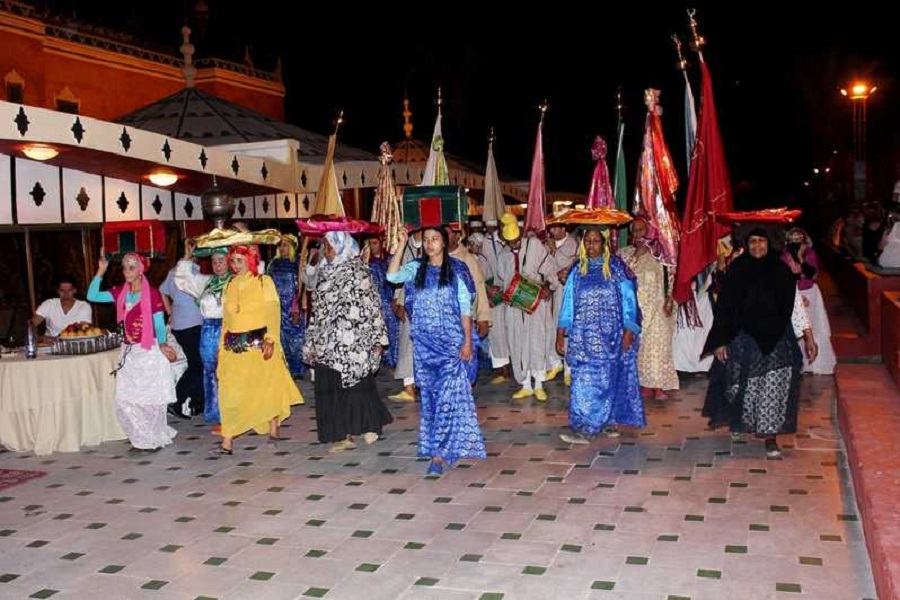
point(221, 450)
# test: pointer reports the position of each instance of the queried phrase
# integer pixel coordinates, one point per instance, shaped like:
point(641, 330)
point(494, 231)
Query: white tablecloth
point(58, 403)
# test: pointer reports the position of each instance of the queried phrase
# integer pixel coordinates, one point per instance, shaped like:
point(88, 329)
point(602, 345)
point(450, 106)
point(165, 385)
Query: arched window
point(67, 102)
point(15, 87)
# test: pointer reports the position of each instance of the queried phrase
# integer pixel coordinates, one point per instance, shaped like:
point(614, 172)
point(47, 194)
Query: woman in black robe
point(755, 379)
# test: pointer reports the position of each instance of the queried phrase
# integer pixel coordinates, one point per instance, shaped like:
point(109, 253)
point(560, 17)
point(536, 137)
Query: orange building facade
point(71, 67)
point(52, 65)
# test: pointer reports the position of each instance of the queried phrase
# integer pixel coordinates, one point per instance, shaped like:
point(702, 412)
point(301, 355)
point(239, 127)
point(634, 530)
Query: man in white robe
point(481, 308)
point(563, 250)
point(404, 368)
point(527, 333)
point(498, 345)
point(474, 243)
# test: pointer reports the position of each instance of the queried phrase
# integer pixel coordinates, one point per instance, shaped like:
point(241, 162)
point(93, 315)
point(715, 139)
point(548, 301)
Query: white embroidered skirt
point(144, 387)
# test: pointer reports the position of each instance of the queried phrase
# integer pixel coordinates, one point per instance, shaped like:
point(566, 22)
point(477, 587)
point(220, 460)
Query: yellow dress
point(252, 390)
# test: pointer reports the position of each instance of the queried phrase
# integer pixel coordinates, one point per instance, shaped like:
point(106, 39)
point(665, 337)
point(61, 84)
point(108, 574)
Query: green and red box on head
point(147, 238)
point(434, 205)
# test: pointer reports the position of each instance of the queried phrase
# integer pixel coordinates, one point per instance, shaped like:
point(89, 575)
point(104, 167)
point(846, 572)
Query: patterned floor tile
point(672, 511)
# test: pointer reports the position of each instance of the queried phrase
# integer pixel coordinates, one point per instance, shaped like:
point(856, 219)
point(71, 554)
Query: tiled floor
point(671, 512)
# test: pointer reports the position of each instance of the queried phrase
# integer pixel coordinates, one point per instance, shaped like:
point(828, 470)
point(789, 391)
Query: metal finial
point(440, 99)
point(407, 119)
point(188, 70)
point(682, 63)
point(620, 105)
point(543, 107)
point(698, 40)
point(338, 121)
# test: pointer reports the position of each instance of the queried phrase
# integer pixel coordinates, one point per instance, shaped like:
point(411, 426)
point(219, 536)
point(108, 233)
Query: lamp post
point(858, 92)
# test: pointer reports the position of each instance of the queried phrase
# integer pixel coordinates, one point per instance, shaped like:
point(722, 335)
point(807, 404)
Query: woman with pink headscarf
point(144, 384)
point(800, 256)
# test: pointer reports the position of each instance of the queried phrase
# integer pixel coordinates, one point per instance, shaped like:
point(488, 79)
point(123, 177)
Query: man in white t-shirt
point(59, 313)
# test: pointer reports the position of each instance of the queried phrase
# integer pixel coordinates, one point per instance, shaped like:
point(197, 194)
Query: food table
point(58, 403)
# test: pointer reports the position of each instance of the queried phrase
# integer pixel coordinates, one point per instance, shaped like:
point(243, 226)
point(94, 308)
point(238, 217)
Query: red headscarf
point(250, 253)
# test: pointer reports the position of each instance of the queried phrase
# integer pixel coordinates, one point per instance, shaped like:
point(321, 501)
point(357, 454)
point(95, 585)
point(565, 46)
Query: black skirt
point(344, 411)
point(753, 392)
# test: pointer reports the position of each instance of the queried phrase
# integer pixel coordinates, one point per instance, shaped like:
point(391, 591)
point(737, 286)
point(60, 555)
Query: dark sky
point(776, 76)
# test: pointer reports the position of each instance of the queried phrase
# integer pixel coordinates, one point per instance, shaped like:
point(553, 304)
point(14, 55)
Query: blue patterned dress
point(595, 312)
point(379, 267)
point(284, 273)
point(449, 424)
point(462, 271)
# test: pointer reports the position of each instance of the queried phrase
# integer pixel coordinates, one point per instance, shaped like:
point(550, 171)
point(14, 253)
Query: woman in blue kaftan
point(283, 271)
point(439, 307)
point(600, 315)
point(378, 265)
point(209, 291)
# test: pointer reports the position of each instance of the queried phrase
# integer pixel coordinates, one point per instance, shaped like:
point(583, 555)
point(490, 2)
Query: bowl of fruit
point(80, 331)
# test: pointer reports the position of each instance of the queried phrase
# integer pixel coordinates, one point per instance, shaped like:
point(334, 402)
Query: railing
point(72, 31)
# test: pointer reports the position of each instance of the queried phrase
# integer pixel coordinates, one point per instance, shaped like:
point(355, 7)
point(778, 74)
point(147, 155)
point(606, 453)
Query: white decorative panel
point(305, 204)
point(286, 205)
point(37, 193)
point(5, 190)
point(156, 203)
point(244, 209)
point(187, 208)
point(82, 197)
point(265, 207)
point(122, 200)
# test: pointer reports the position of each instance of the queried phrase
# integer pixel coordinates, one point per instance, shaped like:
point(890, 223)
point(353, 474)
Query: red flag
point(709, 194)
point(537, 193)
point(657, 182)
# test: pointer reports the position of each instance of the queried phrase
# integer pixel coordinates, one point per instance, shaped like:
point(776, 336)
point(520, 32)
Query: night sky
point(776, 77)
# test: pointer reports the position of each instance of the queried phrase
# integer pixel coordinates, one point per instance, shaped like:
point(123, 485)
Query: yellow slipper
point(523, 393)
point(341, 446)
point(403, 396)
point(552, 373)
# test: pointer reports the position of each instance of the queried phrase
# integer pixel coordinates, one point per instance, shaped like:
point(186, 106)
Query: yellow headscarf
point(583, 257)
point(292, 240)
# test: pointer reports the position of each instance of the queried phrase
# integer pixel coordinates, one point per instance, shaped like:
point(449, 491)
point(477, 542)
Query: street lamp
point(858, 92)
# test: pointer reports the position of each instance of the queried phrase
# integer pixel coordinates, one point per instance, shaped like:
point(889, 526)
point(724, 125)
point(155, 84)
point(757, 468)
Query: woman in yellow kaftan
point(256, 389)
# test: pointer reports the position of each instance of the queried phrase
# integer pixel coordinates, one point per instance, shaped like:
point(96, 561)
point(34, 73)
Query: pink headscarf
point(147, 333)
point(651, 240)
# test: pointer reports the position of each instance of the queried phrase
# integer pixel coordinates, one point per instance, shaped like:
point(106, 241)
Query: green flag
point(620, 187)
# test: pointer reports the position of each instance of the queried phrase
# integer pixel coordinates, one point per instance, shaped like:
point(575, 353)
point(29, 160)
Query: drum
point(523, 294)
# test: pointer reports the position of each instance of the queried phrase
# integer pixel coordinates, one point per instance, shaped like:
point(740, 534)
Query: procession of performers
point(540, 303)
